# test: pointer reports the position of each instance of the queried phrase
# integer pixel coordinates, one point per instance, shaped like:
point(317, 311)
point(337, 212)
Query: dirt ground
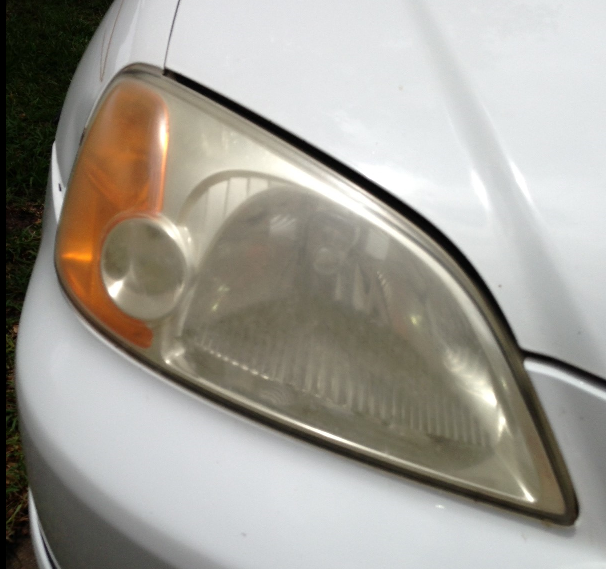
point(22, 557)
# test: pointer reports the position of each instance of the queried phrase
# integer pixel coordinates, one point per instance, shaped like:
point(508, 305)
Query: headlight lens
point(217, 253)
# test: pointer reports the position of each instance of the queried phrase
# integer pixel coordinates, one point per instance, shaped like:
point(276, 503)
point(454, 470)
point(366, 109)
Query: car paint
point(129, 469)
point(127, 463)
point(132, 31)
point(487, 119)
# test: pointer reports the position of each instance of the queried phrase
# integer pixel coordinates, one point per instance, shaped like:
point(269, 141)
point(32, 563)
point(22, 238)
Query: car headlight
point(231, 261)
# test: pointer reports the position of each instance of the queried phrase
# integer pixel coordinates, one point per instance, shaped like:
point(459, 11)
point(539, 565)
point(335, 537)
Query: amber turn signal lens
point(119, 173)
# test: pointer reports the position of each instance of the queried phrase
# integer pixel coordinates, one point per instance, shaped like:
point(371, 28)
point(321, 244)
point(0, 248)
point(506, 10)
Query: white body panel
point(124, 462)
point(488, 120)
point(130, 470)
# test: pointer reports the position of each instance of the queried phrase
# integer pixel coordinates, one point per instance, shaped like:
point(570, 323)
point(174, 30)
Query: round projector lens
point(144, 266)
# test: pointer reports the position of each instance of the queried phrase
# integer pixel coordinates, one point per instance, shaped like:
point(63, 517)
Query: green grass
point(44, 42)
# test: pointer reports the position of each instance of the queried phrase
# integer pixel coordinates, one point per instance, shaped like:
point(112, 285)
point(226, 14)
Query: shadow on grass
point(44, 42)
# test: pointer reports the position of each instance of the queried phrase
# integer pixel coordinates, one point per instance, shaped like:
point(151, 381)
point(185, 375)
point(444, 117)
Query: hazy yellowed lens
point(119, 173)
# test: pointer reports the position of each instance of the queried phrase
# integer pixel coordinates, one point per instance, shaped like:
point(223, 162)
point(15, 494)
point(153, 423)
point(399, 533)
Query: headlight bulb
point(144, 266)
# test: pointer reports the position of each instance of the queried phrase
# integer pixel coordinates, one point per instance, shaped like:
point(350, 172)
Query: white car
point(322, 285)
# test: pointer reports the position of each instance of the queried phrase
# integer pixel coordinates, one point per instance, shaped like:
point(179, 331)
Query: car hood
point(487, 119)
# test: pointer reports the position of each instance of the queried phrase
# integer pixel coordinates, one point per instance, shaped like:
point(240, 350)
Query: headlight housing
point(229, 260)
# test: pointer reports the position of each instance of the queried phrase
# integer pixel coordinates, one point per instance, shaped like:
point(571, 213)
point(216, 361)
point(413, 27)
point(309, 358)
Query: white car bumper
point(129, 469)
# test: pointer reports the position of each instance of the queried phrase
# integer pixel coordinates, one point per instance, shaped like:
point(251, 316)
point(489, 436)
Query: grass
point(44, 42)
